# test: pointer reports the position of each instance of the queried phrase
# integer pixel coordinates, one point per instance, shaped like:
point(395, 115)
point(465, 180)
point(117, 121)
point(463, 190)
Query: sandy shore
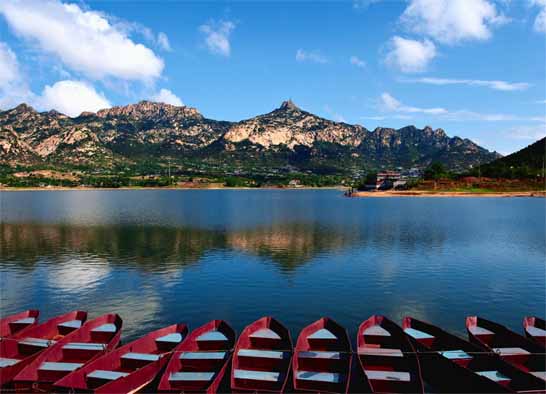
point(420, 193)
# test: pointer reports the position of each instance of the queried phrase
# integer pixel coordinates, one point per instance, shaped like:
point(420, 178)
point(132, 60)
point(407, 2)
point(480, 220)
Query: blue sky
point(476, 68)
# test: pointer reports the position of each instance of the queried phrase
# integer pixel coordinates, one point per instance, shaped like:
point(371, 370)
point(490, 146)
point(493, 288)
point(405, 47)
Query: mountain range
point(288, 136)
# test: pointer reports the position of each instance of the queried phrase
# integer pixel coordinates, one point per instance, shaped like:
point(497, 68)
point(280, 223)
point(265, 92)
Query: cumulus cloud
point(310, 56)
point(217, 37)
point(491, 84)
point(84, 40)
point(452, 21)
point(13, 88)
point(540, 20)
point(410, 56)
point(356, 61)
point(9, 69)
point(167, 97)
point(71, 98)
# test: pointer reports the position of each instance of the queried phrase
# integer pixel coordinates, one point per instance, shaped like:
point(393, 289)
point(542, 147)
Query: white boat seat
point(65, 367)
point(321, 355)
point(70, 324)
point(84, 346)
point(213, 335)
point(494, 375)
point(191, 376)
point(26, 320)
point(257, 375)
point(261, 353)
point(477, 330)
point(388, 375)
point(7, 362)
point(412, 332)
point(203, 355)
point(455, 354)
point(323, 333)
point(535, 331)
point(141, 356)
point(377, 331)
point(265, 333)
point(539, 374)
point(325, 377)
point(109, 327)
point(510, 351)
point(380, 351)
point(106, 375)
point(37, 342)
point(175, 337)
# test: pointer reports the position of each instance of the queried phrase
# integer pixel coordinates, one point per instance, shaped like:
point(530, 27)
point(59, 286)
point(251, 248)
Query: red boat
point(322, 358)
point(200, 364)
point(511, 347)
point(535, 329)
point(11, 325)
point(387, 357)
point(261, 360)
point(129, 368)
point(21, 348)
point(77, 348)
point(452, 364)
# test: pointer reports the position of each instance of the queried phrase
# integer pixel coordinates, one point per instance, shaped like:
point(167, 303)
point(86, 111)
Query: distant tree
point(436, 171)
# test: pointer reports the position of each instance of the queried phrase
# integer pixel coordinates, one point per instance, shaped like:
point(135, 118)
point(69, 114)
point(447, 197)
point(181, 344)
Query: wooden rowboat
point(201, 362)
point(17, 351)
point(452, 364)
point(129, 368)
point(387, 357)
point(11, 325)
point(261, 360)
point(322, 358)
point(511, 347)
point(535, 329)
point(73, 351)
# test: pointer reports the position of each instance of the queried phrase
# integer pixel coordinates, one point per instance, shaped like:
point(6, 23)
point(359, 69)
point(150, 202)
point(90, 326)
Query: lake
point(158, 257)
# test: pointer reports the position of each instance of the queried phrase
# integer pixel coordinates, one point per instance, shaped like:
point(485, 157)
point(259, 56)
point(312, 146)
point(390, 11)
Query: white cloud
point(71, 98)
point(310, 56)
point(389, 103)
point(531, 133)
point(410, 56)
point(452, 21)
point(217, 37)
point(163, 41)
point(364, 4)
point(356, 61)
point(492, 84)
point(9, 69)
point(540, 20)
point(85, 41)
point(167, 97)
point(13, 88)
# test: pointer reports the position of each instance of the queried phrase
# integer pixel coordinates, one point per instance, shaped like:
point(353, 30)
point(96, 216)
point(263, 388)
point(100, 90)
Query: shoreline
point(57, 188)
point(444, 194)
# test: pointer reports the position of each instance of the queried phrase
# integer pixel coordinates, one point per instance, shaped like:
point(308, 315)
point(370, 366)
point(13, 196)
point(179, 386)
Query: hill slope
point(527, 162)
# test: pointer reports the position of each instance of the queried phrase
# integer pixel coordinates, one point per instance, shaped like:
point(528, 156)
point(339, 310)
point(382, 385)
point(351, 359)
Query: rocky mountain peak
point(149, 109)
point(289, 105)
point(23, 108)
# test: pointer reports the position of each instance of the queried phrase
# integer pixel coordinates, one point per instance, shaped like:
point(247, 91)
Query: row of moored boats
point(71, 354)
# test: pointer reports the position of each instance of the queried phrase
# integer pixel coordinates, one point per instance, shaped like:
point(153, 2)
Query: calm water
point(159, 257)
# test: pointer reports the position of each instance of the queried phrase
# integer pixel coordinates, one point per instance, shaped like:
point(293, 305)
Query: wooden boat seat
point(109, 327)
point(70, 324)
point(191, 376)
point(496, 376)
point(106, 375)
point(323, 333)
point(170, 338)
point(321, 355)
point(61, 367)
point(455, 354)
point(324, 377)
point(257, 375)
point(26, 320)
point(377, 331)
point(535, 331)
point(141, 356)
point(477, 330)
point(37, 342)
point(261, 353)
point(210, 336)
point(203, 355)
point(380, 351)
point(412, 332)
point(85, 346)
point(539, 374)
point(388, 375)
point(265, 333)
point(7, 362)
point(510, 351)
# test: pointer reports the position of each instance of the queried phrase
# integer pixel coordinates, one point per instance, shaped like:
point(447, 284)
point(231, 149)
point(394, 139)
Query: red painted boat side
point(9, 327)
point(533, 321)
point(407, 362)
point(29, 377)
point(192, 345)
point(341, 344)
point(13, 349)
point(257, 364)
point(140, 373)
